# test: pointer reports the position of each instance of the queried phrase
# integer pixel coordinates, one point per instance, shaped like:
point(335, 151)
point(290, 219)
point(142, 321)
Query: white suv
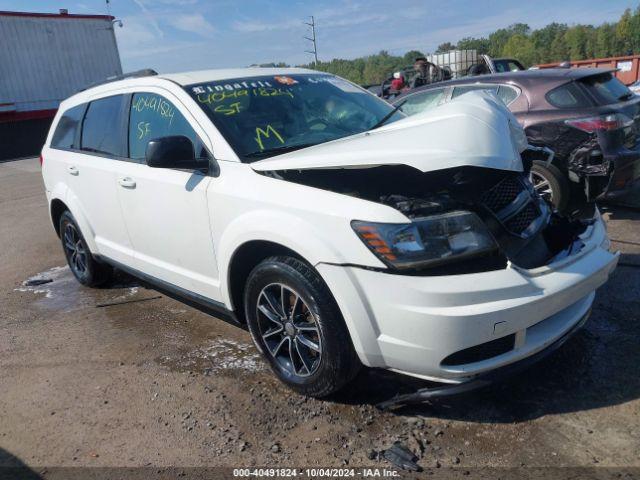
point(339, 231)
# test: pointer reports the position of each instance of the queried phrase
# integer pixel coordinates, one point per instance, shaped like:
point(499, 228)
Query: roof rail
point(145, 72)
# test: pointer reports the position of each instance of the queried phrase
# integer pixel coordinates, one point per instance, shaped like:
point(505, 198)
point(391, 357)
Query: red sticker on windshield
point(285, 80)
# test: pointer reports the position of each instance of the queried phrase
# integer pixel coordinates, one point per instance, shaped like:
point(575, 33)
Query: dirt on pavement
point(125, 376)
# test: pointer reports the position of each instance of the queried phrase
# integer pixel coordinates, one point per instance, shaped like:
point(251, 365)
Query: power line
point(312, 39)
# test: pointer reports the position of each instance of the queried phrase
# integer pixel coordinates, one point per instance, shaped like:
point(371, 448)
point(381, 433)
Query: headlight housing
point(427, 241)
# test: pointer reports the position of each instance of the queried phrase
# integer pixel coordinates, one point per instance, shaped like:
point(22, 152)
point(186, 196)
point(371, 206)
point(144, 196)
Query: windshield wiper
point(278, 150)
point(384, 119)
point(626, 96)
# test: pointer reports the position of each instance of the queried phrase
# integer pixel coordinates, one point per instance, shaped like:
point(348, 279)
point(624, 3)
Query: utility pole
point(312, 39)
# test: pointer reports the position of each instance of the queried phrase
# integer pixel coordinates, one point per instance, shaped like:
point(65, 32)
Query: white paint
point(404, 323)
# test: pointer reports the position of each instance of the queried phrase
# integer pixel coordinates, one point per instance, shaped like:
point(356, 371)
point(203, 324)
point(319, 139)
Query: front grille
point(513, 204)
point(481, 352)
point(502, 194)
point(521, 220)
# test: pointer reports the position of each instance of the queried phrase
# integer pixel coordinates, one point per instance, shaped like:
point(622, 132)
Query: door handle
point(73, 170)
point(127, 182)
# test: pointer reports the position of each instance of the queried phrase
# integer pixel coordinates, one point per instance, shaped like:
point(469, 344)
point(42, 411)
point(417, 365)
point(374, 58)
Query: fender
point(62, 192)
point(308, 241)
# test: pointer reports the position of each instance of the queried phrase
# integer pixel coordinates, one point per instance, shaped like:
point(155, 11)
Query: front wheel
point(296, 324)
point(551, 184)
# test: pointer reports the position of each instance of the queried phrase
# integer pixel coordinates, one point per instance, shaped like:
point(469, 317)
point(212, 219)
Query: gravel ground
point(90, 381)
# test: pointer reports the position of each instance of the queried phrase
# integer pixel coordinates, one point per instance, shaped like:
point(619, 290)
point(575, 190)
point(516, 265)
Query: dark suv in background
point(586, 116)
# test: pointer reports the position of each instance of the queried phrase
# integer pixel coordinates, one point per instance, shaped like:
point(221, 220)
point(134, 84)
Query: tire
point(87, 270)
point(296, 324)
point(551, 184)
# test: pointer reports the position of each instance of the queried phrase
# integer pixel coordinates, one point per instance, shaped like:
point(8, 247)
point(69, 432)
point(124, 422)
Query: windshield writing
point(268, 115)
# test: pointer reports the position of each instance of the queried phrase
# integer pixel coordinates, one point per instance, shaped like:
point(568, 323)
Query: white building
point(45, 58)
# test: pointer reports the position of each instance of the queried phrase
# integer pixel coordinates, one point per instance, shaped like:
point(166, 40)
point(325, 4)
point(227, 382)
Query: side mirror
point(172, 152)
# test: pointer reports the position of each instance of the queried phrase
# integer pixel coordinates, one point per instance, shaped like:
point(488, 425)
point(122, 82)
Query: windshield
point(269, 115)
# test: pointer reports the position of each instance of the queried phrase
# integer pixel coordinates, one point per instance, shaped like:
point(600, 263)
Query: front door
point(165, 210)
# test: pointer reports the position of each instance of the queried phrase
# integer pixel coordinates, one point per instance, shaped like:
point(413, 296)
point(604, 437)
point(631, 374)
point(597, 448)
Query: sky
point(181, 35)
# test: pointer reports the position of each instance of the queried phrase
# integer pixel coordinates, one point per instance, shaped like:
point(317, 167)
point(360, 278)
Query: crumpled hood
point(475, 129)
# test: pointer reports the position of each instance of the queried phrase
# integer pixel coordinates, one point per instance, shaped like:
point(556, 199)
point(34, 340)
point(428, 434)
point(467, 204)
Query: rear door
point(91, 160)
point(165, 210)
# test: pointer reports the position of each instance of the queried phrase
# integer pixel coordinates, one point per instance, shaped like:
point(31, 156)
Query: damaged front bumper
point(482, 380)
point(456, 328)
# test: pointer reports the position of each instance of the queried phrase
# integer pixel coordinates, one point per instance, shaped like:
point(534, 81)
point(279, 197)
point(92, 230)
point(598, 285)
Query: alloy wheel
point(289, 330)
point(541, 185)
point(74, 250)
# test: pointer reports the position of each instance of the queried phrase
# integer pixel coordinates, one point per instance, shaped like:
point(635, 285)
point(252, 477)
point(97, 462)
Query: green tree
point(605, 41)
point(520, 47)
point(499, 38)
point(497, 41)
point(445, 47)
point(623, 33)
point(481, 45)
point(559, 50)
point(411, 55)
point(576, 40)
point(543, 40)
point(634, 30)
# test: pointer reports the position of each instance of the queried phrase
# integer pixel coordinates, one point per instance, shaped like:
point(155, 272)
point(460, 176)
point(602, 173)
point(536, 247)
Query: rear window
point(67, 134)
point(568, 95)
point(102, 130)
point(420, 102)
point(457, 91)
point(606, 88)
point(505, 93)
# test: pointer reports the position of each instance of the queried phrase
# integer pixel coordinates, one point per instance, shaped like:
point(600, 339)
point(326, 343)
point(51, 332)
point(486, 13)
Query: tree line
point(553, 43)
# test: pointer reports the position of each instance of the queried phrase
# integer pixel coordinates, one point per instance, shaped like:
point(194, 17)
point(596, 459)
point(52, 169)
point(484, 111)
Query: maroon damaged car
point(585, 115)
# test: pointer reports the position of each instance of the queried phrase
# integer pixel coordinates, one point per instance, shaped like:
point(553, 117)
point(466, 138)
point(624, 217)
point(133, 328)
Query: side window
point(422, 101)
point(567, 96)
point(102, 127)
point(457, 91)
point(67, 133)
point(153, 116)
point(507, 94)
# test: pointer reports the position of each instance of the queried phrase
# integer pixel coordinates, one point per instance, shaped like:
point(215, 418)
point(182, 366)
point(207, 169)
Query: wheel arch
point(243, 260)
point(62, 200)
point(57, 208)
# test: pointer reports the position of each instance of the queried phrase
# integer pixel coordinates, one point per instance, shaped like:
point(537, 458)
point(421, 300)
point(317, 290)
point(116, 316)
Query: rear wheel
point(296, 324)
point(84, 267)
point(551, 184)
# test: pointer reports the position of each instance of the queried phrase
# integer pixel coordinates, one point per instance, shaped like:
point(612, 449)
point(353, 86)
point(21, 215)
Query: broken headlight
point(427, 241)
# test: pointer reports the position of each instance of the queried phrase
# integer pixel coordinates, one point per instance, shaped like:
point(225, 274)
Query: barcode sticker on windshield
point(344, 85)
